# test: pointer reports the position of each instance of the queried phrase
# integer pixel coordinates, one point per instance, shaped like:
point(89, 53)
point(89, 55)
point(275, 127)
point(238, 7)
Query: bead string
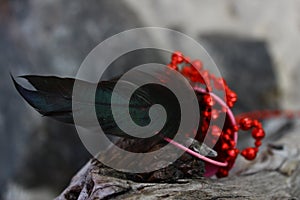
point(222, 103)
point(265, 114)
point(227, 137)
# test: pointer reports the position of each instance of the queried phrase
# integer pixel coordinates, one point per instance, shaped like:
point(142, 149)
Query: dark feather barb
point(52, 97)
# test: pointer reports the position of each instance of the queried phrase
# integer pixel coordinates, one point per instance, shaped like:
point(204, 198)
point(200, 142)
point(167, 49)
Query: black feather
point(52, 97)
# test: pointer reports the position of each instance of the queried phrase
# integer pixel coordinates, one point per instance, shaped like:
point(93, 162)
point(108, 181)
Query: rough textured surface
point(273, 175)
point(88, 184)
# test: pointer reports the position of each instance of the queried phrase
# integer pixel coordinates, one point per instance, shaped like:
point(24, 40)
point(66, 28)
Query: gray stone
point(48, 37)
point(247, 67)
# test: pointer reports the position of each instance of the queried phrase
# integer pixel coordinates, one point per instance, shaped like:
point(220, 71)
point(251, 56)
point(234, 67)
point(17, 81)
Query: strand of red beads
point(265, 114)
point(224, 139)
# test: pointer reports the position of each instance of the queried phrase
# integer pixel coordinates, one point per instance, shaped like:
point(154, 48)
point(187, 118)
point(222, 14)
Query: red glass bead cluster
point(258, 134)
point(224, 139)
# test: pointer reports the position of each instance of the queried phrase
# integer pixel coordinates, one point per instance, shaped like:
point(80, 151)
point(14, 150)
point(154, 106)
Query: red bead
point(230, 163)
point(177, 57)
point(186, 71)
point(232, 153)
point(174, 62)
point(205, 75)
point(224, 109)
point(230, 104)
point(214, 114)
point(225, 146)
point(195, 76)
point(229, 132)
point(219, 83)
point(226, 137)
point(258, 133)
point(246, 123)
point(258, 143)
point(232, 143)
point(231, 97)
point(206, 114)
point(173, 66)
point(204, 127)
point(197, 64)
point(208, 100)
point(222, 173)
point(249, 153)
point(235, 128)
point(257, 124)
point(216, 131)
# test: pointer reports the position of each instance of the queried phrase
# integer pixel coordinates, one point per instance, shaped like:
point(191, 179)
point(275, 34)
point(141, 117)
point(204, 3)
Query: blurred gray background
point(254, 43)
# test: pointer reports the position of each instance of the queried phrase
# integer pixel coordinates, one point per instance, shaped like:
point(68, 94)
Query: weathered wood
point(275, 174)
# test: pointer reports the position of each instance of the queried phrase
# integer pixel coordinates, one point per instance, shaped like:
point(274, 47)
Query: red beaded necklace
point(225, 139)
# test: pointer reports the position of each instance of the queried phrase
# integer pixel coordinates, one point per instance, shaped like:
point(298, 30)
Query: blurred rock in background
point(47, 37)
point(250, 40)
point(247, 67)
